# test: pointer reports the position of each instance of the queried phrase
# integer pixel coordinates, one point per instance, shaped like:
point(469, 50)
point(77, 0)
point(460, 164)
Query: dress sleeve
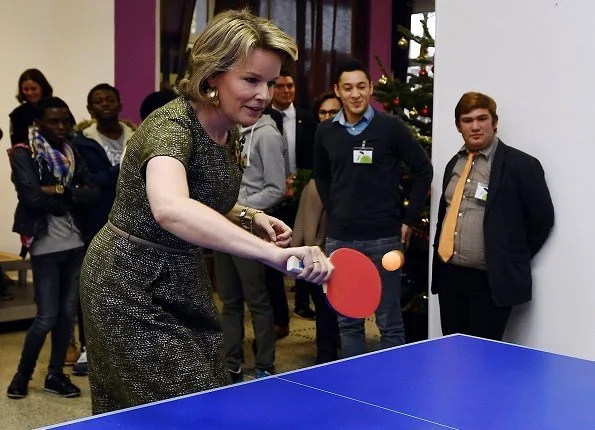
point(169, 137)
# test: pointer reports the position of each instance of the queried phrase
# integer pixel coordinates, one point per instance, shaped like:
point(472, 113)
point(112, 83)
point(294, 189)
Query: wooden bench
point(13, 262)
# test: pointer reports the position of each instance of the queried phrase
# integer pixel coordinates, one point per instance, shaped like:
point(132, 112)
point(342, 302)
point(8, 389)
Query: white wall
point(535, 57)
point(72, 43)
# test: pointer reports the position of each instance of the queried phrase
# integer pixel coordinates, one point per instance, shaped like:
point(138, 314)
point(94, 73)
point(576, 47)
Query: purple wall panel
point(135, 53)
point(380, 38)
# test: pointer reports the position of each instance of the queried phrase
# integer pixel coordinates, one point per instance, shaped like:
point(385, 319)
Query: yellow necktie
point(447, 237)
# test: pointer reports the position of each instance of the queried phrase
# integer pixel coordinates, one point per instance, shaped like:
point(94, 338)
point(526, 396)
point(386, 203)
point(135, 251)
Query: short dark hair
point(350, 64)
point(49, 103)
point(318, 101)
point(103, 86)
point(36, 76)
point(154, 101)
point(287, 73)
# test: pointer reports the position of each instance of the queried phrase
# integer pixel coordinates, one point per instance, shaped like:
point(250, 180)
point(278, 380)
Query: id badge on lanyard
point(363, 154)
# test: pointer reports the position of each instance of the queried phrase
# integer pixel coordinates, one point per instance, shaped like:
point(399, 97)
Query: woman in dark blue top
point(32, 87)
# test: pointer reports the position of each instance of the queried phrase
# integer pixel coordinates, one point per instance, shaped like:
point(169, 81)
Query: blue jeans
point(388, 315)
point(56, 286)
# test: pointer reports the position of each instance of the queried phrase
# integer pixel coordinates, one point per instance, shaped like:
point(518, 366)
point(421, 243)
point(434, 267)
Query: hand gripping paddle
point(354, 287)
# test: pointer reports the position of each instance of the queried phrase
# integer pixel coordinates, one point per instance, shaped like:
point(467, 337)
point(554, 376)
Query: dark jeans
point(239, 280)
point(388, 315)
point(56, 285)
point(466, 304)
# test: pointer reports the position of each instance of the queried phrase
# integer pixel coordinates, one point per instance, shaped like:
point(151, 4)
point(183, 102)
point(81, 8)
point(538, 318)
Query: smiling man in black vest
point(357, 169)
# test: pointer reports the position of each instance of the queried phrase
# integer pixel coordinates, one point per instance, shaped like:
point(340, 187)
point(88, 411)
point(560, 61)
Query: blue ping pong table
point(454, 382)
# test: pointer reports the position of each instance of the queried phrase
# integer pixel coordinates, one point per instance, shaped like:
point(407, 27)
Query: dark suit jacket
point(518, 218)
point(277, 117)
point(304, 138)
point(103, 175)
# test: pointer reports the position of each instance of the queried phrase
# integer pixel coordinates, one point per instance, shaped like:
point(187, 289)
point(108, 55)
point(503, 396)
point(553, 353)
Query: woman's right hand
point(317, 267)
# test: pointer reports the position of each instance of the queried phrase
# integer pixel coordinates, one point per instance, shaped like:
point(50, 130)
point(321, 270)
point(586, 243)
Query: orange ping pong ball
point(393, 260)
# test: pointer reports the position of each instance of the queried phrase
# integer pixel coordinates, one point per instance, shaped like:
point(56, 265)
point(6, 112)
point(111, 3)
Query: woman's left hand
point(271, 229)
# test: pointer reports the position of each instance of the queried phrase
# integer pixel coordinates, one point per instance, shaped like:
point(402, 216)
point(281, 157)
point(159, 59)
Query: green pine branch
point(425, 39)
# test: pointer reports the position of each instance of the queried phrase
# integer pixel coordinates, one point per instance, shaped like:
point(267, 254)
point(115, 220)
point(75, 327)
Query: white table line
point(367, 403)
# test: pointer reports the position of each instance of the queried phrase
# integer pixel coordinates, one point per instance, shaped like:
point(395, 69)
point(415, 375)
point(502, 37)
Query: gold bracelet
point(252, 218)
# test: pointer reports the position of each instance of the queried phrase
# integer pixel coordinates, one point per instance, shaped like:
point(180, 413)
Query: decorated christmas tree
point(412, 101)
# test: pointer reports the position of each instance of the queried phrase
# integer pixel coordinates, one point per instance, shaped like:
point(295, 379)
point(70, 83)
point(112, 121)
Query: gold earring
point(213, 95)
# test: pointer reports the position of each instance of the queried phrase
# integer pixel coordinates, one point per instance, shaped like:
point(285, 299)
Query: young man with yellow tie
point(495, 214)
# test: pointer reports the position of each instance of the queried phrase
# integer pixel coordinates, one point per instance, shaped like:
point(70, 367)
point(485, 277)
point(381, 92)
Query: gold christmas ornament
point(403, 43)
point(383, 80)
point(413, 114)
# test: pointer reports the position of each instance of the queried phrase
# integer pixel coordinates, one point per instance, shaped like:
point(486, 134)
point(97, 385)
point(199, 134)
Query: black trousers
point(276, 289)
point(466, 304)
point(327, 328)
point(303, 291)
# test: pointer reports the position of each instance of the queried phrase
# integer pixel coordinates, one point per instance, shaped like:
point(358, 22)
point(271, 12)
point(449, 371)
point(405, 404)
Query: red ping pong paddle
point(354, 288)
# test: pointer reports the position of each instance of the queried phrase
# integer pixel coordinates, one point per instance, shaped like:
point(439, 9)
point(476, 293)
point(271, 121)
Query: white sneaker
point(80, 368)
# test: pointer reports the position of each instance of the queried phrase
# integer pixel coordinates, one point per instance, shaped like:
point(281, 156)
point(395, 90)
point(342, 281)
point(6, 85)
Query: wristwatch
point(59, 189)
point(243, 222)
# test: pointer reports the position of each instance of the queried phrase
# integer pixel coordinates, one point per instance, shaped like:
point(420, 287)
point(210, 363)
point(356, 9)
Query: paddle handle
point(295, 265)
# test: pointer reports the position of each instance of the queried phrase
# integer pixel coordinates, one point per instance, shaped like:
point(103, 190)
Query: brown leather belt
point(132, 238)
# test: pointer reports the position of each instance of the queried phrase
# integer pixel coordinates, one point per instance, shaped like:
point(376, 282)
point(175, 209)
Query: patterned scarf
point(61, 165)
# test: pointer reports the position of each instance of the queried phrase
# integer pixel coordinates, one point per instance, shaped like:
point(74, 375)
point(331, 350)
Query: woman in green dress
point(152, 326)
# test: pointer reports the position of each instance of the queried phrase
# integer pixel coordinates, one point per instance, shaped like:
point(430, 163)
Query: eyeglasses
point(331, 112)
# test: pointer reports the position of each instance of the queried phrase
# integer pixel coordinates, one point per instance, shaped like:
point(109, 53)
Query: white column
point(534, 57)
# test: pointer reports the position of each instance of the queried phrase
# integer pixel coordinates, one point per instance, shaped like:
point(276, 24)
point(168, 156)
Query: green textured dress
point(152, 328)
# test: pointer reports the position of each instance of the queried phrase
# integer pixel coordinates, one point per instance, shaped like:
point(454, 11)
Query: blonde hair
point(228, 39)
